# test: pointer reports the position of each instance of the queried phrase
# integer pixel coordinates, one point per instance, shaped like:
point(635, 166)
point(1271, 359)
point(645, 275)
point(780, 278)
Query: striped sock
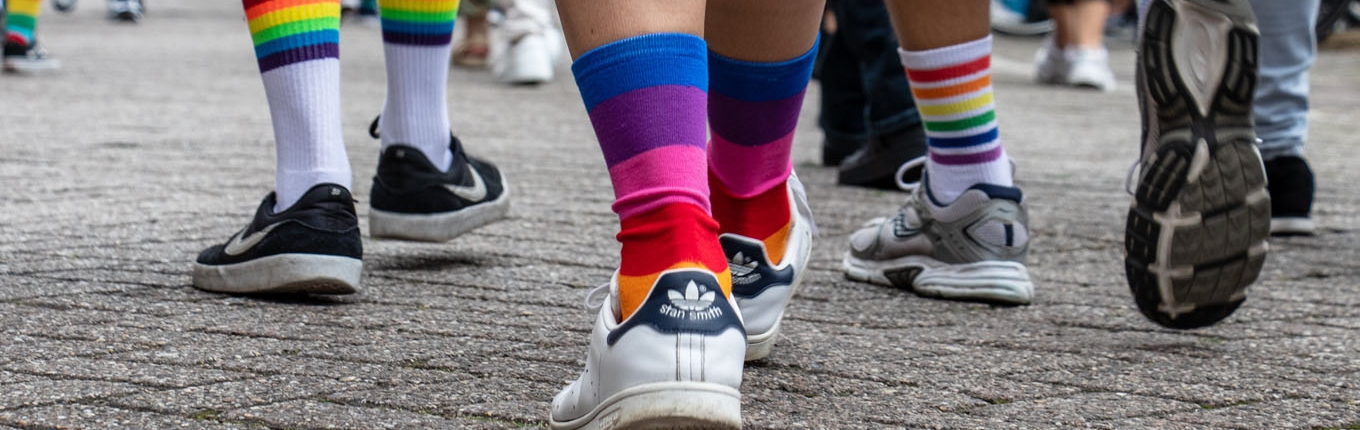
point(297, 46)
point(753, 109)
point(21, 20)
point(416, 36)
point(953, 91)
point(646, 97)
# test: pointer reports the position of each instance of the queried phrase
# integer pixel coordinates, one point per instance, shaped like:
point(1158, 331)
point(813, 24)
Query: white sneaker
point(762, 289)
point(531, 45)
point(1089, 68)
point(675, 363)
point(1051, 65)
point(971, 249)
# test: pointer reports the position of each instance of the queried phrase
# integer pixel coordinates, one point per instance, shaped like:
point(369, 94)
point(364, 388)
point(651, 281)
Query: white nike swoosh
point(474, 193)
point(237, 245)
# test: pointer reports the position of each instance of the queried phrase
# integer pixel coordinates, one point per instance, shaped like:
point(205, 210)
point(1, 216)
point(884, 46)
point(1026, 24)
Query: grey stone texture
point(154, 141)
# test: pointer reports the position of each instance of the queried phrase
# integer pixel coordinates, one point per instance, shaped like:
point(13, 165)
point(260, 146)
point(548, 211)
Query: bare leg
point(591, 23)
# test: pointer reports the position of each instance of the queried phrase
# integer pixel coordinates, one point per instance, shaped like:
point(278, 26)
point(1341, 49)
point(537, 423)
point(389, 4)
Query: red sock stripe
point(758, 217)
point(657, 240)
point(936, 75)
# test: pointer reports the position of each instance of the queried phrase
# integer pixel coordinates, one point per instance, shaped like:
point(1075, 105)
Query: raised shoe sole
point(1196, 232)
point(282, 274)
point(437, 227)
point(1002, 282)
point(664, 405)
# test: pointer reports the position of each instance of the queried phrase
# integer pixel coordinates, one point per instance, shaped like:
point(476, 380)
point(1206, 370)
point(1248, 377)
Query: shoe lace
point(602, 292)
point(373, 127)
point(1132, 177)
point(901, 171)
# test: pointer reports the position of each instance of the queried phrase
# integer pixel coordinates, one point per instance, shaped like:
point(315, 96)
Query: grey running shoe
point(1197, 229)
point(972, 249)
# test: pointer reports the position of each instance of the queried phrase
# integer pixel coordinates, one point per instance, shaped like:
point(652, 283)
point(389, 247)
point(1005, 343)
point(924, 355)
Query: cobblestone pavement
point(154, 142)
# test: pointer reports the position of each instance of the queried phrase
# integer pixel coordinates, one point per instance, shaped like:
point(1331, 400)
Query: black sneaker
point(1196, 234)
point(1291, 196)
point(876, 164)
point(28, 57)
point(312, 247)
point(413, 200)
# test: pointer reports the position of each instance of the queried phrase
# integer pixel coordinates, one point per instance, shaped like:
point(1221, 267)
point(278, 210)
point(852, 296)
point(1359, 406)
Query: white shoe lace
point(801, 203)
point(910, 164)
point(591, 302)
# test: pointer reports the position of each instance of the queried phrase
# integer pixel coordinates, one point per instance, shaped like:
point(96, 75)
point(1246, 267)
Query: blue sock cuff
point(640, 62)
point(759, 82)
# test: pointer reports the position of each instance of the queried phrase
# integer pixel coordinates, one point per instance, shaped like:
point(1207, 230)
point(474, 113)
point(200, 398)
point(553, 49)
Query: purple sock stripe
point(963, 159)
point(753, 123)
point(298, 55)
point(648, 118)
point(417, 39)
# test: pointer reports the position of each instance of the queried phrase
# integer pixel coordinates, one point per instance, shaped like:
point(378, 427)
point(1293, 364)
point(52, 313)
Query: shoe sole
point(282, 274)
point(1001, 282)
point(1196, 232)
point(1292, 226)
point(437, 227)
point(760, 345)
point(664, 405)
point(26, 66)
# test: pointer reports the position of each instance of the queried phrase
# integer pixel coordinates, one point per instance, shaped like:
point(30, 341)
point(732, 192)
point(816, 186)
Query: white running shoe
point(763, 289)
point(531, 45)
point(1089, 68)
point(1050, 64)
point(675, 363)
point(971, 249)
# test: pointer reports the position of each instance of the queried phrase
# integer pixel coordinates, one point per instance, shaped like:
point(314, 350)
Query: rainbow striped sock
point(647, 98)
point(753, 109)
point(416, 36)
point(953, 91)
point(21, 20)
point(297, 46)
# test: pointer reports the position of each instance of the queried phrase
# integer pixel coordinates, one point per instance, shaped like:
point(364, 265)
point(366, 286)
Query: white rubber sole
point(664, 405)
point(993, 281)
point(438, 227)
point(1292, 226)
point(282, 274)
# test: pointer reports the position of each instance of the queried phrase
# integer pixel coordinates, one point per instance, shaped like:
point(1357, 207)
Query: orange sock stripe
point(777, 242)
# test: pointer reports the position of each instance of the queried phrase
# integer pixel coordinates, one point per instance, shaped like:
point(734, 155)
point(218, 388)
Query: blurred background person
point(22, 52)
point(1075, 53)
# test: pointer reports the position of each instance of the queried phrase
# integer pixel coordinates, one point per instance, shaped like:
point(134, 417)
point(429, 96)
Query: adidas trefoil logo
point(743, 269)
point(695, 304)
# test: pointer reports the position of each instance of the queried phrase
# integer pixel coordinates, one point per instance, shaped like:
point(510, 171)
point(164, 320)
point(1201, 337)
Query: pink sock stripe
point(962, 159)
point(667, 170)
point(939, 58)
point(757, 168)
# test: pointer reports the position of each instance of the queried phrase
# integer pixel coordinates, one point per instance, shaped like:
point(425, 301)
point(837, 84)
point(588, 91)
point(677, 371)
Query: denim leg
point(1288, 48)
point(868, 34)
point(843, 101)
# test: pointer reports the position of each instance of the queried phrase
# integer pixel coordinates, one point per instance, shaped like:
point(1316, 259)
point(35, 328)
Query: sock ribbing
point(647, 99)
point(753, 110)
point(952, 87)
point(21, 20)
point(297, 49)
point(416, 46)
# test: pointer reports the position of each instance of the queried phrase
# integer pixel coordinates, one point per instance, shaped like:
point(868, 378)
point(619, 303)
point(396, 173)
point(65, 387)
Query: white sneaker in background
point(1051, 65)
point(1090, 68)
point(531, 45)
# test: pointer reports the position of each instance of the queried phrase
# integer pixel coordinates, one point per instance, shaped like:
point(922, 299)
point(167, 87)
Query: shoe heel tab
point(684, 301)
point(1000, 192)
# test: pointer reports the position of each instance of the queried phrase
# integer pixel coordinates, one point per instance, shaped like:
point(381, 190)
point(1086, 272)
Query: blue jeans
point(864, 89)
point(1288, 48)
